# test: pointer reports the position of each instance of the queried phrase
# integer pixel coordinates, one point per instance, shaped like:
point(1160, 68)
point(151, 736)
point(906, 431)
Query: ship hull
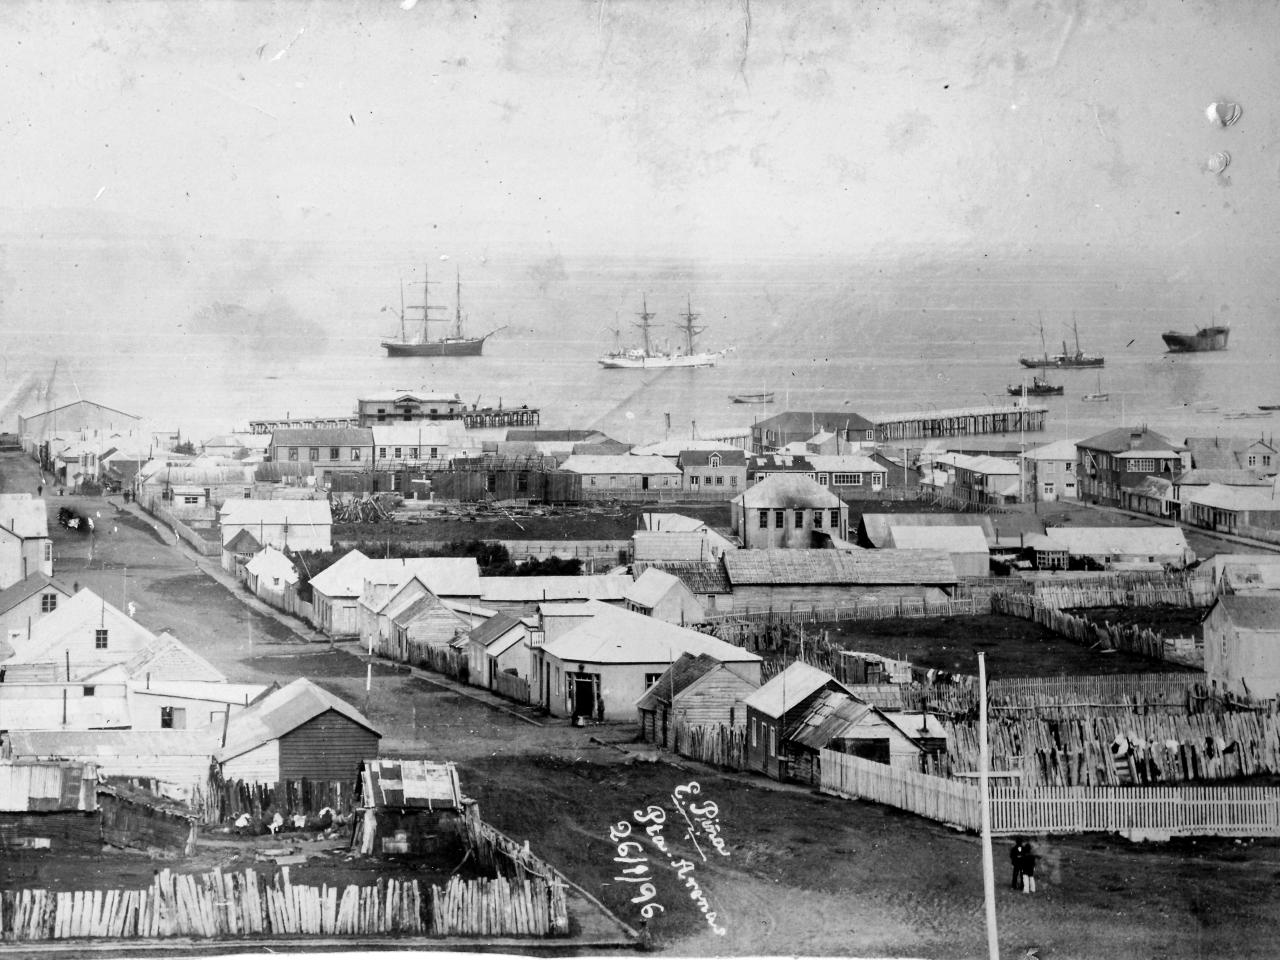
point(651, 363)
point(464, 347)
point(1059, 363)
point(1202, 341)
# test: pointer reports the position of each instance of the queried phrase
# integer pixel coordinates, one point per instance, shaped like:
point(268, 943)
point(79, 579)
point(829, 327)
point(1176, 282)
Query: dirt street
point(803, 874)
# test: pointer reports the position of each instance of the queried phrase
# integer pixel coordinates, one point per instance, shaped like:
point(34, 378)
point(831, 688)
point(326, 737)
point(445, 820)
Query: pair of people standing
point(1023, 857)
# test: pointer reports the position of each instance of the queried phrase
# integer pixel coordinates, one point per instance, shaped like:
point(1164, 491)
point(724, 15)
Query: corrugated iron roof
point(788, 490)
point(874, 527)
point(951, 539)
point(410, 784)
point(866, 567)
point(830, 715)
point(44, 786)
point(536, 589)
point(650, 587)
point(24, 515)
point(612, 635)
point(798, 681)
point(1112, 541)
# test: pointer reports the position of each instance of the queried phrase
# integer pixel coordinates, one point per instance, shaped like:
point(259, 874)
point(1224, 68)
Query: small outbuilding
point(657, 593)
point(300, 731)
point(1242, 646)
point(695, 691)
point(408, 808)
point(774, 709)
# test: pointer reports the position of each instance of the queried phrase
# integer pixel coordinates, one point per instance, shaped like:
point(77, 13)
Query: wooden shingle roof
point(700, 576)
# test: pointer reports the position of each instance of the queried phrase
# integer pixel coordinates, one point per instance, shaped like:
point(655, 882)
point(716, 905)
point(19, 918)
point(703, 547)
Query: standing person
point(40, 490)
point(1028, 868)
point(1015, 858)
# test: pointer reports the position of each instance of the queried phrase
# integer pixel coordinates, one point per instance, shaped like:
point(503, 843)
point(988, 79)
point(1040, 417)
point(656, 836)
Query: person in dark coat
point(1028, 868)
point(1015, 858)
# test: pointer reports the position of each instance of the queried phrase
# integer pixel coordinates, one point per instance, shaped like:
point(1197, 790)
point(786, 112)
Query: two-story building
point(1049, 472)
point(25, 547)
point(719, 472)
point(1111, 463)
point(325, 450)
point(854, 476)
point(986, 480)
point(406, 406)
point(788, 511)
point(770, 464)
point(774, 433)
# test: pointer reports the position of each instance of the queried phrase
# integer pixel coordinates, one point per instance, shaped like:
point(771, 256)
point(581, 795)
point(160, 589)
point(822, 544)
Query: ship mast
point(426, 307)
point(457, 323)
point(645, 319)
point(690, 331)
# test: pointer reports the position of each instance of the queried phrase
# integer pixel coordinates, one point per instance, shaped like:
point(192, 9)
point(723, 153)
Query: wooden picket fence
point(1156, 811)
point(1152, 811)
point(947, 801)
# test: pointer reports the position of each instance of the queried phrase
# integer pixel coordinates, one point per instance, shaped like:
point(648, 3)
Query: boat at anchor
point(419, 343)
point(647, 356)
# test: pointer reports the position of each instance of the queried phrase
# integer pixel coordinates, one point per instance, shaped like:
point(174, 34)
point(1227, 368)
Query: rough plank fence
point(511, 686)
point(535, 900)
point(1147, 643)
point(1093, 750)
point(1187, 592)
point(716, 744)
point(913, 607)
point(224, 801)
point(1149, 811)
point(213, 905)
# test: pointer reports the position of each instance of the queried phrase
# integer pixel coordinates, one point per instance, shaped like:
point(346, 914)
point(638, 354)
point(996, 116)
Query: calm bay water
point(894, 341)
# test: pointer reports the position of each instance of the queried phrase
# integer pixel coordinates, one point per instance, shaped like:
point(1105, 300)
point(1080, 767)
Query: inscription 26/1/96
point(635, 867)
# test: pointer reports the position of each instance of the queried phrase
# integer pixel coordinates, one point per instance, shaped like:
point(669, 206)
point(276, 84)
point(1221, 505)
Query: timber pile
point(1124, 750)
point(366, 509)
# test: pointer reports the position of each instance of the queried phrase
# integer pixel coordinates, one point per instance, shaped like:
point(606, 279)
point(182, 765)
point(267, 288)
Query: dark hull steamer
point(1204, 340)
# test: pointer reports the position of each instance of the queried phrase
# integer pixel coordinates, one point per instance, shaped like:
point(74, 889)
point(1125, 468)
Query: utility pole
point(988, 866)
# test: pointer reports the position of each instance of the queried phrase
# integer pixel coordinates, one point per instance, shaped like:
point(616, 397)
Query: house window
point(293, 453)
point(877, 479)
point(591, 481)
point(764, 519)
point(522, 483)
point(248, 493)
point(719, 481)
point(435, 452)
point(1266, 459)
point(355, 453)
point(773, 743)
point(846, 479)
point(88, 691)
point(693, 480)
point(1253, 460)
point(1048, 489)
point(706, 481)
point(191, 501)
point(824, 479)
point(413, 453)
point(713, 461)
point(1141, 465)
point(491, 482)
point(779, 519)
point(733, 481)
point(650, 679)
point(173, 718)
point(48, 550)
point(835, 518)
point(48, 602)
point(799, 519)
point(817, 519)
point(399, 453)
point(382, 453)
point(755, 741)
point(382, 414)
point(100, 639)
point(313, 454)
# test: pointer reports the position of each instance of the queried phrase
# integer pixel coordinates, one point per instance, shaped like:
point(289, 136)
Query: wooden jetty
point(1009, 418)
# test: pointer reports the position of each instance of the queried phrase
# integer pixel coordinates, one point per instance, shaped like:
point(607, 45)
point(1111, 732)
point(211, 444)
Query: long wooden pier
point(959, 422)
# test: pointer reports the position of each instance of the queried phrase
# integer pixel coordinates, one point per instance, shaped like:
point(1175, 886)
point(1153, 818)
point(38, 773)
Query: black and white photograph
point(715, 478)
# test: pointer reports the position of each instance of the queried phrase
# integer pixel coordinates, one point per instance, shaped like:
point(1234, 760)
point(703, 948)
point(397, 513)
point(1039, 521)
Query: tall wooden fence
point(716, 744)
point(226, 801)
point(1184, 592)
point(512, 687)
point(1131, 639)
point(947, 801)
point(913, 607)
point(1123, 749)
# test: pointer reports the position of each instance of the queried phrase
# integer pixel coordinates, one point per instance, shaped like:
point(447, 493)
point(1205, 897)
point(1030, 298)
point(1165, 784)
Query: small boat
point(1269, 406)
point(1039, 388)
point(1098, 397)
point(1246, 415)
point(765, 396)
point(1205, 339)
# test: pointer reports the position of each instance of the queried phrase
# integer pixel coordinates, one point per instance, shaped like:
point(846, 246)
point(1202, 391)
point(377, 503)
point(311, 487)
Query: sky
point(162, 159)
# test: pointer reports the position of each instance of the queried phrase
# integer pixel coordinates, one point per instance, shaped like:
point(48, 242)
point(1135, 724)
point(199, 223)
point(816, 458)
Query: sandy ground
point(805, 874)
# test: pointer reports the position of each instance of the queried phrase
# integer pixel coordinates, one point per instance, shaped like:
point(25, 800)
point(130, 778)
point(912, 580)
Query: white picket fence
point(1147, 811)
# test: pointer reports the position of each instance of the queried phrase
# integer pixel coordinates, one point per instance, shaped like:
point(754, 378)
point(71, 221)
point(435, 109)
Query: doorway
point(584, 695)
